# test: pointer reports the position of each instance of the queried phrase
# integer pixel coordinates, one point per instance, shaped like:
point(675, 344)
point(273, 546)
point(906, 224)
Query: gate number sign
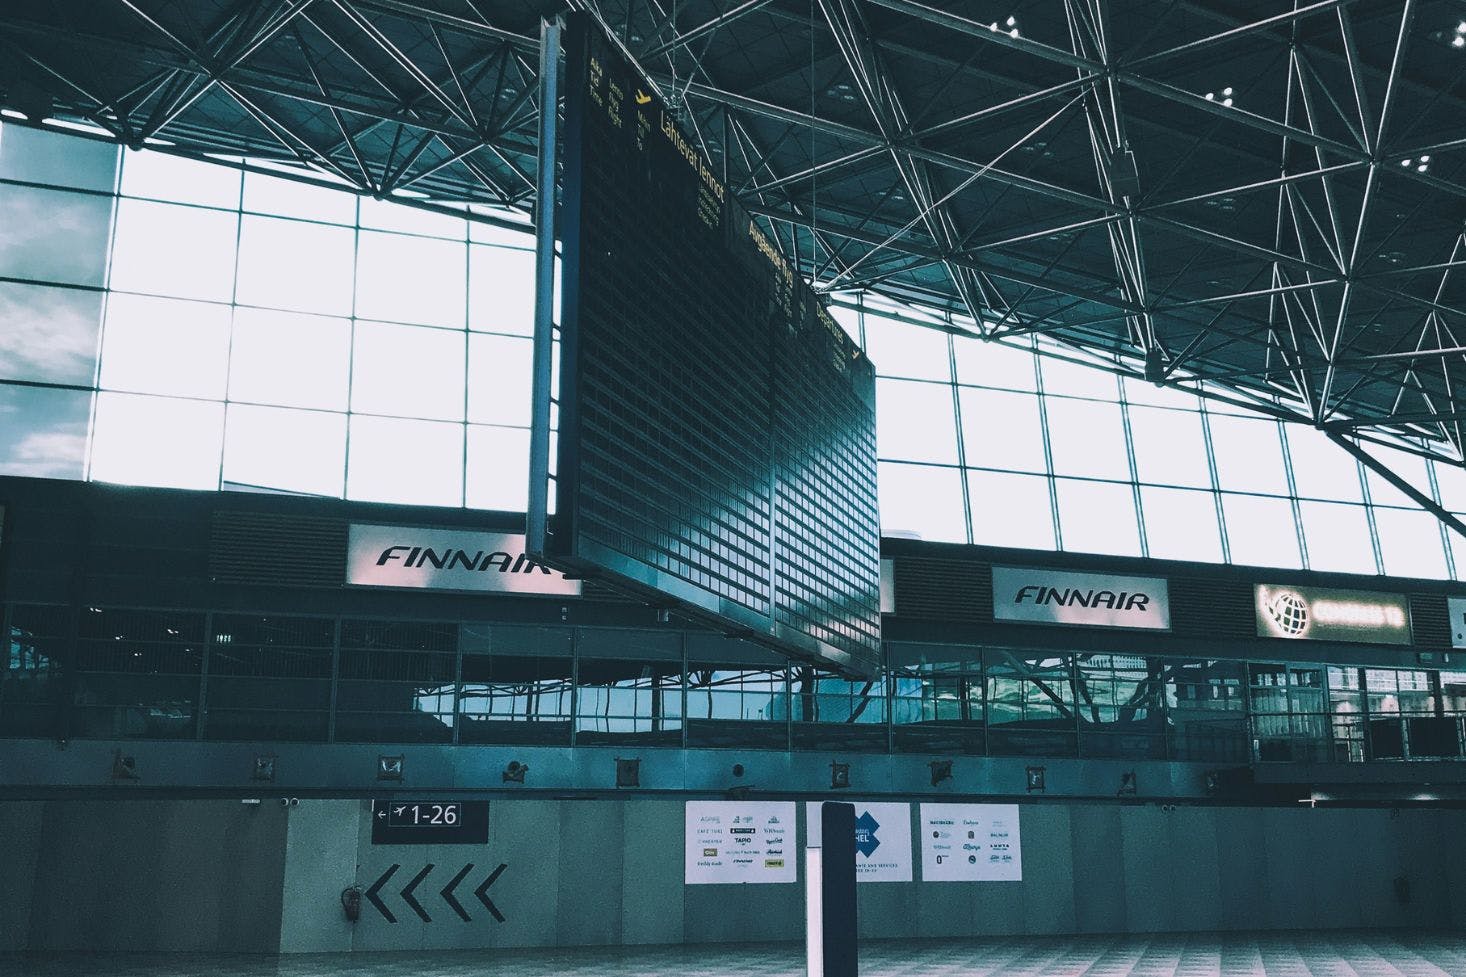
point(420, 822)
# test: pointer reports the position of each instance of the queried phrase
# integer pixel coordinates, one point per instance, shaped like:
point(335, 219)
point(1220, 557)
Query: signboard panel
point(739, 842)
point(448, 559)
point(1456, 606)
point(435, 822)
point(882, 840)
point(1039, 596)
point(1325, 614)
point(970, 843)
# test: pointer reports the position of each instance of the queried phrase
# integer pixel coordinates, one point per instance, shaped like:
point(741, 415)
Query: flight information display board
point(716, 425)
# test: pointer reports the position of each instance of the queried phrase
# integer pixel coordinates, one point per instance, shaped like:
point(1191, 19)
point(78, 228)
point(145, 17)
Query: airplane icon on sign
point(400, 811)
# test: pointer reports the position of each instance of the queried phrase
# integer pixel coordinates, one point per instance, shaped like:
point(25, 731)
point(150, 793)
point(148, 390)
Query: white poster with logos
point(739, 842)
point(970, 843)
point(882, 839)
point(448, 559)
point(1039, 596)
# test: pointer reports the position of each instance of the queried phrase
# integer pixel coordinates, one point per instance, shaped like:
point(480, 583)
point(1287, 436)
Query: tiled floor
point(1324, 954)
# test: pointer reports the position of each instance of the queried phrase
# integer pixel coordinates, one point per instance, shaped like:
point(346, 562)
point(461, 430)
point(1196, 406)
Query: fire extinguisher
point(351, 902)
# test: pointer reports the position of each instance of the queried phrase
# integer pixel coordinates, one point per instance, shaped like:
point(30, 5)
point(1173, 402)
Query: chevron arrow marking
point(411, 901)
point(483, 898)
point(371, 894)
point(448, 894)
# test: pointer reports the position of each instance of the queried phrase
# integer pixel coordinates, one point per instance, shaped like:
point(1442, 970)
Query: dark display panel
point(419, 822)
point(717, 427)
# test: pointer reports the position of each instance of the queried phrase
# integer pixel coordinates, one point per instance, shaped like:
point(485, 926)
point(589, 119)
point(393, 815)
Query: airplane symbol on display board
point(401, 811)
point(642, 97)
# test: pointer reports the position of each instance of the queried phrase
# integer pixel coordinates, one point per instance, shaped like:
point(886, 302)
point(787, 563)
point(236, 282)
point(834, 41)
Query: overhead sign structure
point(970, 843)
point(739, 842)
point(882, 840)
point(1324, 614)
point(448, 559)
point(1039, 596)
point(440, 822)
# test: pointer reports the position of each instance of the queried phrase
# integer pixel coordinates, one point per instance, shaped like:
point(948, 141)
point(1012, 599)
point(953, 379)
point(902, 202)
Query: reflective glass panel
point(1097, 517)
point(411, 279)
point(1170, 448)
point(407, 371)
point(1322, 469)
point(407, 462)
point(160, 441)
point(391, 215)
point(292, 198)
point(1261, 531)
point(54, 235)
point(1411, 467)
point(1078, 380)
point(49, 334)
point(1011, 510)
point(993, 364)
point(1337, 537)
point(1181, 524)
point(922, 500)
point(43, 431)
point(499, 379)
point(280, 450)
point(501, 290)
point(900, 349)
point(1087, 438)
point(295, 265)
point(1249, 455)
point(498, 468)
point(290, 360)
point(1002, 429)
point(37, 156)
point(177, 179)
point(164, 346)
point(1141, 392)
point(914, 422)
point(1410, 543)
point(182, 252)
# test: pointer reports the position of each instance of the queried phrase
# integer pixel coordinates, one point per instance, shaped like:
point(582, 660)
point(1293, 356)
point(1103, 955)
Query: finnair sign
point(448, 559)
point(1041, 596)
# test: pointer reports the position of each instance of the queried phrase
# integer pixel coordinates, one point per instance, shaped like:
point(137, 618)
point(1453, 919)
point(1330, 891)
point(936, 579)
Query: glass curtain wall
point(189, 324)
point(122, 673)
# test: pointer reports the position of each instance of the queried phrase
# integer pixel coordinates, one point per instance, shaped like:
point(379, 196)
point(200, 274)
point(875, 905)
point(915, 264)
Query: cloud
point(48, 333)
point(48, 454)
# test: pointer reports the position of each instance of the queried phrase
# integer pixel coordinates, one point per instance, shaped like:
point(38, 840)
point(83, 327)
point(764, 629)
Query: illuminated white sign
point(448, 559)
point(1319, 614)
point(739, 842)
point(1041, 596)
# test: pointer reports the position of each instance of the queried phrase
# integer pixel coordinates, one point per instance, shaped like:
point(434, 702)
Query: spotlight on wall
point(628, 772)
point(738, 770)
point(1213, 781)
point(263, 769)
point(1127, 783)
point(941, 770)
point(514, 772)
point(839, 775)
point(1035, 778)
point(123, 767)
point(390, 767)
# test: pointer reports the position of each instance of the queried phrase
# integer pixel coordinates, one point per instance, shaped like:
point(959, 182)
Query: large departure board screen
point(716, 425)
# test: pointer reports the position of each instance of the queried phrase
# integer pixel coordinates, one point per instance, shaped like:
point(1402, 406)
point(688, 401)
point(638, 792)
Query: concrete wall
point(588, 872)
point(200, 876)
point(217, 875)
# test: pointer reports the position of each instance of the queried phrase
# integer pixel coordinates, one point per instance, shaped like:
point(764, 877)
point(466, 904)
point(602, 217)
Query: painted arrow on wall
point(409, 893)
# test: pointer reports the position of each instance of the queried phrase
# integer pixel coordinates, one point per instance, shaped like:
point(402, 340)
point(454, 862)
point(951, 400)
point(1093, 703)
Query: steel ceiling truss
point(1296, 246)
